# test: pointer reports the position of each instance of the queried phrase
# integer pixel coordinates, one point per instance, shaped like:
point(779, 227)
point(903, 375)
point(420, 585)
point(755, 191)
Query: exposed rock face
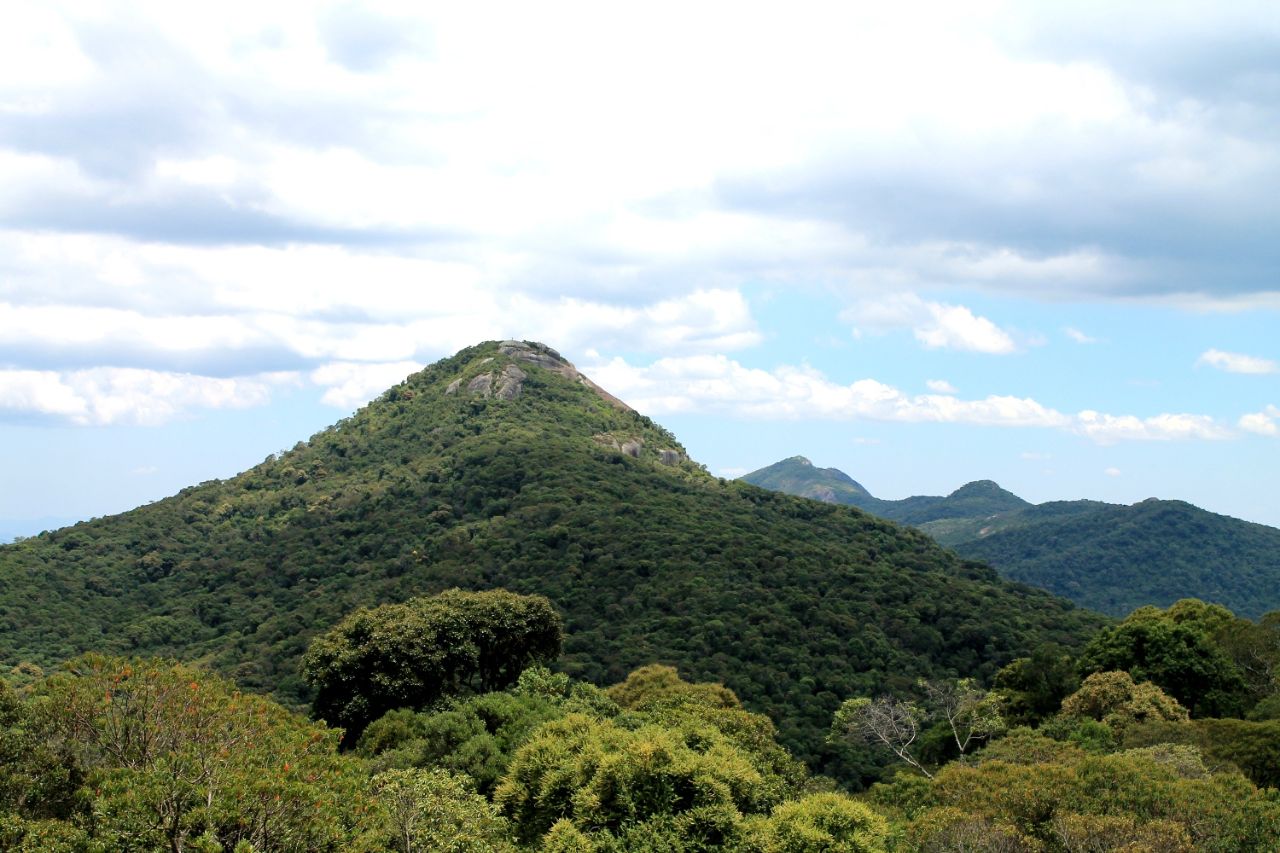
point(508, 384)
point(632, 448)
point(669, 457)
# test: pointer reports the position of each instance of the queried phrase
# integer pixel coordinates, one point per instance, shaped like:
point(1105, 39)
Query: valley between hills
point(521, 617)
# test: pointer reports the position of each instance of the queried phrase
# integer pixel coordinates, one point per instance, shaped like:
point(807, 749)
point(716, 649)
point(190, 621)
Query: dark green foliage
point(1106, 557)
point(411, 655)
point(1178, 656)
point(798, 476)
point(1034, 687)
point(790, 603)
point(476, 736)
point(1117, 558)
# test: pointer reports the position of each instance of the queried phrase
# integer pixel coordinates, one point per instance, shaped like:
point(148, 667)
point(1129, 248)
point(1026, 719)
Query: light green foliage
point(1024, 746)
point(1114, 699)
point(599, 775)
point(564, 837)
point(412, 654)
point(655, 683)
point(819, 823)
point(1088, 833)
point(1164, 792)
point(1251, 746)
point(169, 754)
point(435, 811)
point(946, 829)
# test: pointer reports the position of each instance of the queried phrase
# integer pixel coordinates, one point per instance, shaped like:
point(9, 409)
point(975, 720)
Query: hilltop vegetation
point(1105, 557)
point(467, 476)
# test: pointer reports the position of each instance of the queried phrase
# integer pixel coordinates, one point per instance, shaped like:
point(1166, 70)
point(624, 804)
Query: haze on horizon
point(1027, 243)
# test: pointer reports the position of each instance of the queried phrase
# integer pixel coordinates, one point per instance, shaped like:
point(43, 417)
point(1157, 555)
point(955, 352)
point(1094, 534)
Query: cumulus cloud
point(1056, 156)
point(936, 325)
point(1234, 362)
point(108, 396)
point(1112, 472)
point(941, 386)
point(1265, 422)
point(716, 383)
point(1109, 429)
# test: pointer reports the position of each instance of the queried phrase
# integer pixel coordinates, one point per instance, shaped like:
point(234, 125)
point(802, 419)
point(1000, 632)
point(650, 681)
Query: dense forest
point(467, 742)
point(503, 467)
point(1106, 557)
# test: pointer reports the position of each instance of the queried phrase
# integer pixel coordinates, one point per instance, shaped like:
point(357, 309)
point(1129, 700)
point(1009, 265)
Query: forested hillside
point(503, 467)
point(1106, 557)
point(1116, 558)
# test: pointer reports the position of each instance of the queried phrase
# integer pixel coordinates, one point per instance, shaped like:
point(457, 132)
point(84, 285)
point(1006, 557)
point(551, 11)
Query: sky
point(924, 243)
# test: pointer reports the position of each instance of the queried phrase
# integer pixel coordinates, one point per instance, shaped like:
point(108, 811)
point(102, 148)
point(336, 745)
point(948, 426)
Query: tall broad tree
point(409, 655)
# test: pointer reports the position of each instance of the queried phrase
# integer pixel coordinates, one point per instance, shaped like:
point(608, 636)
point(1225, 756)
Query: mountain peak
point(506, 381)
point(979, 487)
point(796, 475)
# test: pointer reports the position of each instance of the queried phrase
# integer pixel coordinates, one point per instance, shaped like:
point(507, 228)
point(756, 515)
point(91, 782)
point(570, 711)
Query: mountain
point(798, 476)
point(1106, 557)
point(503, 466)
point(1116, 558)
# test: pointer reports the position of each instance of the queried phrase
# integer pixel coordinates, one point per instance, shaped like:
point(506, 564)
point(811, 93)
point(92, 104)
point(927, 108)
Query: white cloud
point(351, 384)
point(1112, 472)
point(934, 324)
point(106, 396)
point(1108, 429)
point(941, 386)
point(716, 383)
point(1234, 362)
point(1078, 336)
point(1266, 422)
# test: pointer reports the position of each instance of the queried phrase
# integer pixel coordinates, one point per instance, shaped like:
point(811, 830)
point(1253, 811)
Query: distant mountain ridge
point(1107, 557)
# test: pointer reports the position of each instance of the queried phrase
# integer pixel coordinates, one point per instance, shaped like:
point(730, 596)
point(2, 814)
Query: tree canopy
point(410, 655)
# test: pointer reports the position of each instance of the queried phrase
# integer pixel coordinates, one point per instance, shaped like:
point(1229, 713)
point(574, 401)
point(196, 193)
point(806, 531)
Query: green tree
point(171, 755)
point(412, 654)
point(1178, 656)
point(1115, 699)
point(601, 776)
point(964, 712)
point(435, 811)
point(819, 823)
point(1034, 687)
